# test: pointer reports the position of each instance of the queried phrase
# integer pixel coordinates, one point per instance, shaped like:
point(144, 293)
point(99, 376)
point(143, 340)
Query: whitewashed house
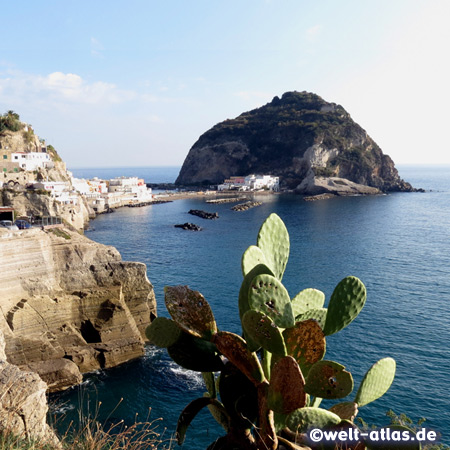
point(258, 182)
point(133, 189)
point(32, 160)
point(250, 183)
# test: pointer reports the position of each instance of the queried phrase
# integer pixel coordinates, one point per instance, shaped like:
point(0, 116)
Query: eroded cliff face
point(30, 203)
point(296, 137)
point(23, 403)
point(69, 305)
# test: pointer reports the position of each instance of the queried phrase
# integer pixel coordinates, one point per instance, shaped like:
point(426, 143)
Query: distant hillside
point(19, 137)
point(297, 137)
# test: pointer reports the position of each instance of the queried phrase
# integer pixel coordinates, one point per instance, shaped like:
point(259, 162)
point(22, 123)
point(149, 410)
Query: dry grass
point(90, 434)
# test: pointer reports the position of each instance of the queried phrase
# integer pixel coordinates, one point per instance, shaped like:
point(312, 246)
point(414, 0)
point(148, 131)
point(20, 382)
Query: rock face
point(297, 137)
point(29, 203)
point(23, 404)
point(69, 305)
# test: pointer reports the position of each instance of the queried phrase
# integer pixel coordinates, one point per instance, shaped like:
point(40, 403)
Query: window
point(5, 156)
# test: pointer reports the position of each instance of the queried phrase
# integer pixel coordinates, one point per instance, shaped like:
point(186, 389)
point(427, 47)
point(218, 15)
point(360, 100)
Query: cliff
point(23, 403)
point(299, 137)
point(69, 305)
point(17, 138)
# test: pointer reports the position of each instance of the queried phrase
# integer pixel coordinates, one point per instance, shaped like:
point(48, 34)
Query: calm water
point(398, 244)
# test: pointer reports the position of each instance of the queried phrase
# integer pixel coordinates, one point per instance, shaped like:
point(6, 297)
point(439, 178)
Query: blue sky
point(136, 82)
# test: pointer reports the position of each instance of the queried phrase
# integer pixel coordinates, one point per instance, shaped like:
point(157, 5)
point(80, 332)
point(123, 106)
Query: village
point(39, 171)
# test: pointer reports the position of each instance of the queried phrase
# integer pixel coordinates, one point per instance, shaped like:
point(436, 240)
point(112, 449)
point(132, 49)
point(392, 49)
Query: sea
point(397, 244)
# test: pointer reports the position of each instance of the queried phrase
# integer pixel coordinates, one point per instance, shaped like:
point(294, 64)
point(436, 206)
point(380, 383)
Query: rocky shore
point(69, 305)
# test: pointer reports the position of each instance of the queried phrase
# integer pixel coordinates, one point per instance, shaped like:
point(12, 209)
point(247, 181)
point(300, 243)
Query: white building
point(250, 183)
point(133, 189)
point(90, 187)
point(32, 161)
point(258, 182)
point(56, 188)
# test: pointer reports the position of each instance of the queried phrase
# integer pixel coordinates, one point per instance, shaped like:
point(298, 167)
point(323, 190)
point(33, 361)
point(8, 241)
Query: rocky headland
point(300, 138)
point(69, 305)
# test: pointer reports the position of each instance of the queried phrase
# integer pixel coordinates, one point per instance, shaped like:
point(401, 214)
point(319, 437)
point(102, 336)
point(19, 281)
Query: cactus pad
point(306, 343)
point(303, 419)
point(238, 395)
point(210, 383)
point(261, 330)
point(163, 332)
point(328, 379)
point(195, 354)
point(286, 390)
point(244, 294)
point(251, 258)
point(307, 299)
point(268, 295)
point(345, 410)
point(235, 349)
point(346, 302)
point(319, 315)
point(376, 382)
point(190, 311)
point(273, 240)
point(188, 414)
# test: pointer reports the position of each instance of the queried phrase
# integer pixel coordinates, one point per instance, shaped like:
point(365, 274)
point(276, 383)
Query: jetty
point(204, 214)
point(219, 201)
point(245, 206)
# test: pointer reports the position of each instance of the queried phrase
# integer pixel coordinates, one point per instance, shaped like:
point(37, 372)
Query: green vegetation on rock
point(279, 139)
point(10, 121)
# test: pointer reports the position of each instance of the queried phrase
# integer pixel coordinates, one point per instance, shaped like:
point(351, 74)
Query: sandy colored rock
point(23, 404)
point(68, 303)
point(334, 185)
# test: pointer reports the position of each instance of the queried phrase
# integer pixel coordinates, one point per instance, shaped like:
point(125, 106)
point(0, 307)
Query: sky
point(112, 83)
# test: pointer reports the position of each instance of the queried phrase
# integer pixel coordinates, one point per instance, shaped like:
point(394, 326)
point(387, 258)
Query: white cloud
point(60, 88)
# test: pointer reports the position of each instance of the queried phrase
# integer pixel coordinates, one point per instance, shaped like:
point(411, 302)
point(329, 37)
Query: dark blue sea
point(397, 244)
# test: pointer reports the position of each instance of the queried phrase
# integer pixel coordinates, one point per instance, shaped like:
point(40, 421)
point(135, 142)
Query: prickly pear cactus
point(346, 302)
point(269, 296)
point(196, 354)
point(261, 329)
point(190, 311)
point(273, 240)
point(257, 395)
point(306, 343)
point(235, 349)
point(163, 332)
point(301, 420)
point(318, 314)
point(251, 258)
point(286, 390)
point(328, 379)
point(307, 299)
point(345, 410)
point(244, 305)
point(376, 382)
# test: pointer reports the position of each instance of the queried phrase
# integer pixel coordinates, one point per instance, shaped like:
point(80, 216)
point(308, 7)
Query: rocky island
point(313, 146)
